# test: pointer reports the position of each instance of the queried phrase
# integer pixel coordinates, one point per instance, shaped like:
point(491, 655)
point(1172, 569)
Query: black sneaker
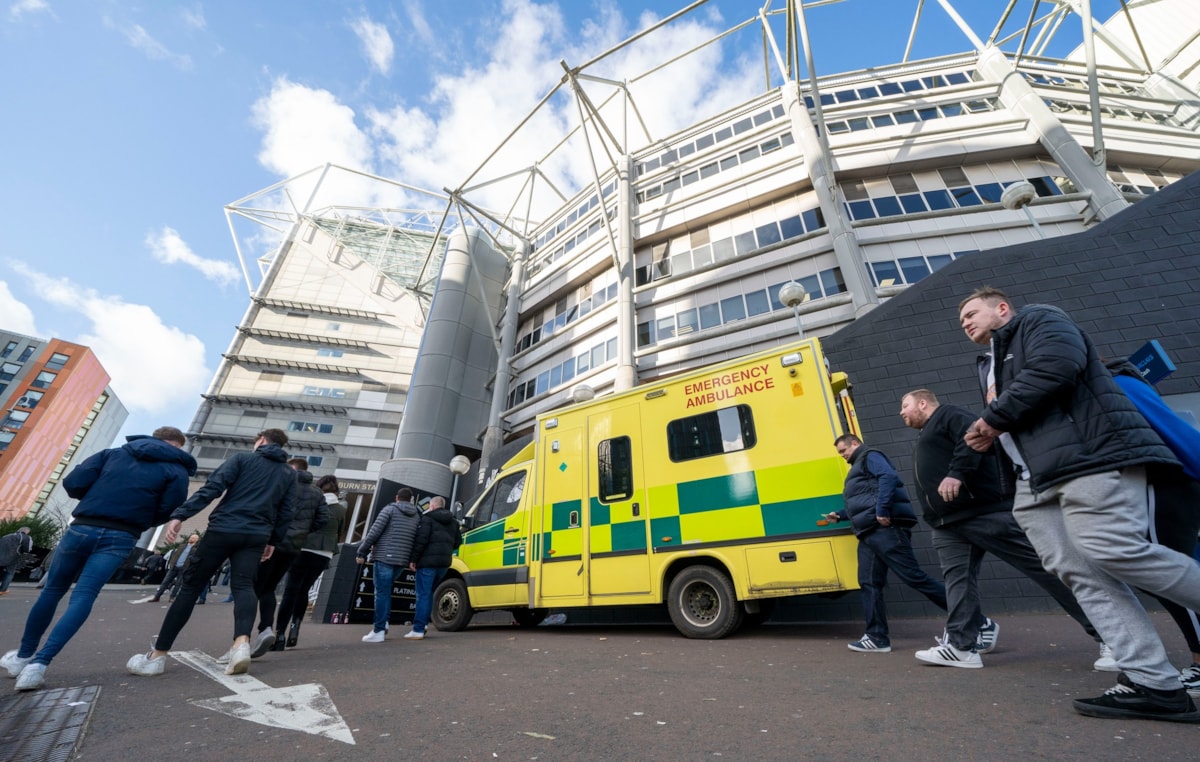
point(1127, 699)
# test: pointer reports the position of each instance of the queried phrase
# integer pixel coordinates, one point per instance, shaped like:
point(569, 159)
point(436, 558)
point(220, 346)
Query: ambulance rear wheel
point(529, 617)
point(703, 604)
point(451, 607)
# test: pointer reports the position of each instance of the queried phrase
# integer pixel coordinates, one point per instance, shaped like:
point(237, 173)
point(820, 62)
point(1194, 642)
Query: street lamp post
point(1018, 196)
point(459, 465)
point(793, 295)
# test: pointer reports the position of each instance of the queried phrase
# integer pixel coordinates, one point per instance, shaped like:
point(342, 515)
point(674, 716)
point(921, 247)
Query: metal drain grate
point(45, 726)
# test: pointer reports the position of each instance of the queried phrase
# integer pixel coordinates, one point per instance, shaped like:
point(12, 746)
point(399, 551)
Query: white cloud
point(15, 316)
point(376, 43)
point(305, 128)
point(153, 366)
point(194, 17)
point(27, 8)
point(168, 248)
point(141, 40)
point(417, 23)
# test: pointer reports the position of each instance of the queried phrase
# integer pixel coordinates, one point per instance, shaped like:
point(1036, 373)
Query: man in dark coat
point(438, 536)
point(122, 492)
point(389, 542)
point(258, 493)
point(881, 514)
point(965, 501)
point(12, 547)
point(1080, 450)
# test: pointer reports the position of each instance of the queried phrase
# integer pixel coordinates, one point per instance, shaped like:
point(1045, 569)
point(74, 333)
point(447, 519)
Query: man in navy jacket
point(122, 492)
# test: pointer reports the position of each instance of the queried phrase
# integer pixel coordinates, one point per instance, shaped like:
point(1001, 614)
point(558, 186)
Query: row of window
point(666, 264)
point(563, 372)
point(717, 165)
point(912, 115)
point(1135, 114)
point(591, 203)
point(885, 89)
point(668, 157)
point(735, 308)
point(913, 201)
point(329, 353)
point(891, 272)
point(310, 427)
point(570, 244)
point(1081, 83)
point(26, 353)
point(565, 313)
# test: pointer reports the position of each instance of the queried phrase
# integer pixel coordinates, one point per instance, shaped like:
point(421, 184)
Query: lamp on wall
point(1018, 196)
point(459, 465)
point(793, 295)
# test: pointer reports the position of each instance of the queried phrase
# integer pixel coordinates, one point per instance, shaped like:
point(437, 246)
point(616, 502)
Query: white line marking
point(306, 708)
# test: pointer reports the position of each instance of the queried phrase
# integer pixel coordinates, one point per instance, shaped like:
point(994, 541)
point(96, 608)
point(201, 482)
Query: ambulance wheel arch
point(702, 600)
point(452, 609)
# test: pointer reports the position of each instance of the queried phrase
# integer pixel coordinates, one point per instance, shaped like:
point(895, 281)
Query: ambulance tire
point(703, 604)
point(529, 617)
point(451, 607)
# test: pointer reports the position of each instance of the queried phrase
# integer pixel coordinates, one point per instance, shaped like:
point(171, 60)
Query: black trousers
point(301, 576)
point(270, 573)
point(244, 553)
point(1174, 522)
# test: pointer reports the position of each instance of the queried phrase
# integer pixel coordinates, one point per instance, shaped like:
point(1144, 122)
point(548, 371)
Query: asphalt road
point(592, 693)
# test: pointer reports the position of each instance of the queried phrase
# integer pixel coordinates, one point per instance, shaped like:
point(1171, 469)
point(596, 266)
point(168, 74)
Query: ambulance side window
point(503, 498)
point(614, 460)
point(729, 429)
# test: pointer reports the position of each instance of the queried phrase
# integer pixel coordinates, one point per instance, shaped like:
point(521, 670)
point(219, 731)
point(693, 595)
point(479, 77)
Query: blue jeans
point(427, 579)
point(890, 549)
point(383, 576)
point(93, 553)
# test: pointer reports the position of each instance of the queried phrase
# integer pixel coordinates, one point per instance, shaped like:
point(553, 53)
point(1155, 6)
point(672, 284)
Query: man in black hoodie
point(260, 492)
point(964, 499)
point(438, 536)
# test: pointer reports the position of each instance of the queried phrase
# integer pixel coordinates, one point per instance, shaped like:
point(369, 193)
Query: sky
point(127, 127)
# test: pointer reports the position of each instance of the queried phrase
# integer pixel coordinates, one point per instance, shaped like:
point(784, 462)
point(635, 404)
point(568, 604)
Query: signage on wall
point(1152, 362)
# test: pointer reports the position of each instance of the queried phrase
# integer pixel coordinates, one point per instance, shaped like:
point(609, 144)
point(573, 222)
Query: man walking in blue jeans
point(389, 542)
point(122, 492)
point(881, 514)
point(438, 536)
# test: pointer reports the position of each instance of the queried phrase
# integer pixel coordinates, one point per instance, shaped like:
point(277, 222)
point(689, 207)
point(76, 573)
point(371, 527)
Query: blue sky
point(128, 126)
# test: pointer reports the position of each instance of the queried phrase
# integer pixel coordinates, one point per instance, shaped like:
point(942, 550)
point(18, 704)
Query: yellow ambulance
point(704, 491)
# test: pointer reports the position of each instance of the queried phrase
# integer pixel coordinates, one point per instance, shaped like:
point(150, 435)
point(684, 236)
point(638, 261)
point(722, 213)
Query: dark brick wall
point(1133, 278)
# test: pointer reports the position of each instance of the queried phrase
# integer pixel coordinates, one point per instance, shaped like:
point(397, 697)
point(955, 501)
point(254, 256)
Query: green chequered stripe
point(600, 513)
point(489, 533)
point(629, 535)
point(718, 493)
point(793, 516)
point(560, 514)
point(512, 554)
point(666, 526)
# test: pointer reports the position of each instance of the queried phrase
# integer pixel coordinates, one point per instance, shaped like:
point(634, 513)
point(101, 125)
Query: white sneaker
point(374, 636)
point(1190, 677)
point(142, 664)
point(224, 658)
point(947, 655)
point(32, 677)
point(13, 664)
point(263, 643)
point(414, 635)
point(239, 660)
point(1106, 662)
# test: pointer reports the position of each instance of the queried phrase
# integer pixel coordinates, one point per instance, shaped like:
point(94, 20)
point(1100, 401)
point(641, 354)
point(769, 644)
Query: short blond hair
point(988, 294)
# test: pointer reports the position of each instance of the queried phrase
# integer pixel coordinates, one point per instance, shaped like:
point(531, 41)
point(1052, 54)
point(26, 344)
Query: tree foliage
point(45, 530)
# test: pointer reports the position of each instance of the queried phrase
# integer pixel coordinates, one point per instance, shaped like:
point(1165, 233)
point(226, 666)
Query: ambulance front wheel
point(703, 604)
point(451, 607)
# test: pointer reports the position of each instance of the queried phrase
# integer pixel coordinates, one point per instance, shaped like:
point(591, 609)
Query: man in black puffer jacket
point(878, 508)
point(965, 501)
point(259, 497)
point(438, 536)
point(311, 514)
point(1080, 450)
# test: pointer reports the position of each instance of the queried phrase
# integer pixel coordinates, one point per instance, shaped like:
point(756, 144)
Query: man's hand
point(949, 488)
point(172, 532)
point(268, 551)
point(831, 517)
point(981, 435)
point(359, 560)
point(884, 521)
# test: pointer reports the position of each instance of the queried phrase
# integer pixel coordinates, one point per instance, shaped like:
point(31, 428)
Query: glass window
point(951, 109)
point(501, 501)
point(966, 196)
point(690, 177)
point(861, 210)
point(938, 199)
point(867, 92)
point(1045, 186)
point(687, 322)
point(329, 353)
point(882, 120)
point(768, 234)
point(733, 309)
point(315, 460)
point(665, 328)
point(583, 363)
point(906, 117)
point(614, 464)
point(542, 383)
point(791, 227)
point(15, 419)
point(742, 125)
point(990, 192)
point(568, 370)
point(686, 150)
point(730, 429)
point(757, 303)
point(888, 206)
point(57, 361)
point(911, 85)
point(702, 256)
point(814, 219)
point(836, 128)
point(913, 203)
point(903, 183)
point(744, 243)
point(927, 113)
point(938, 261)
point(597, 355)
point(812, 287)
point(747, 154)
point(889, 88)
point(769, 145)
point(30, 400)
point(610, 348)
point(645, 334)
point(885, 273)
point(723, 250)
point(845, 96)
point(725, 133)
point(710, 316)
point(773, 295)
point(858, 124)
point(914, 268)
point(8, 349)
point(704, 141)
point(8, 371)
point(708, 170)
point(729, 162)
point(6, 438)
point(44, 379)
point(831, 281)
point(26, 353)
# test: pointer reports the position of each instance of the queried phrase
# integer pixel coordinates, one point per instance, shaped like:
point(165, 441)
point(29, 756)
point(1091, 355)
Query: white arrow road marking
point(307, 708)
point(147, 599)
